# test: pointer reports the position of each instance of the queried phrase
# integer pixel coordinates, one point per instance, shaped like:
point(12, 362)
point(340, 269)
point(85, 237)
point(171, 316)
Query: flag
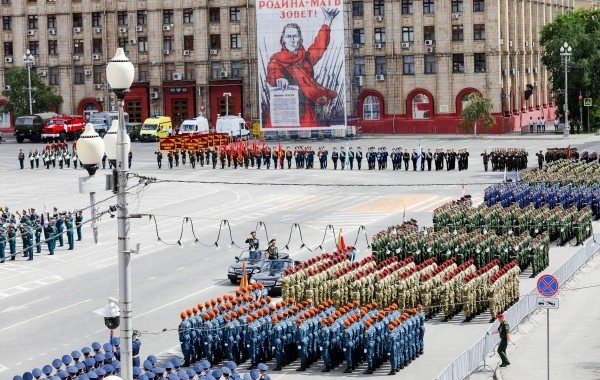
point(569, 152)
point(504, 174)
point(244, 280)
point(341, 242)
point(420, 155)
point(404, 214)
point(347, 159)
point(517, 176)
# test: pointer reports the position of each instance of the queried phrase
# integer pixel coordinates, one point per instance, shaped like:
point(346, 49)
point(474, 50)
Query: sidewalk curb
point(498, 374)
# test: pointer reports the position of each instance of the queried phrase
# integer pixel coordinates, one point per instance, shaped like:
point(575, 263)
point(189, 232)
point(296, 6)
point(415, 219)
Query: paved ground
point(51, 305)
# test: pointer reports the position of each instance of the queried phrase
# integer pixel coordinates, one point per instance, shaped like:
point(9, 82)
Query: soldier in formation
point(510, 159)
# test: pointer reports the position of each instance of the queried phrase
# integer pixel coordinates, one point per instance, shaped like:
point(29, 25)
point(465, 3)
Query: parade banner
point(178, 141)
point(301, 64)
point(191, 143)
point(167, 144)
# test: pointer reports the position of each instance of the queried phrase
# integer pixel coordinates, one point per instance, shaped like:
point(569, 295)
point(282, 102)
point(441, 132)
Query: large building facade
point(410, 63)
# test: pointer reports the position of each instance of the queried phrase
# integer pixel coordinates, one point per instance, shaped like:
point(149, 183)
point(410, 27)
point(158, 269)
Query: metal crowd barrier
point(474, 358)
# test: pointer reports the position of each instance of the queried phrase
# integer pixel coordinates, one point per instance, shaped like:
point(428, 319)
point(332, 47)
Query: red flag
point(569, 152)
point(279, 149)
point(341, 242)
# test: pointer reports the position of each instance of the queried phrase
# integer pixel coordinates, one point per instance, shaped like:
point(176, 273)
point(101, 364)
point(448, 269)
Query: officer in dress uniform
point(486, 156)
point(359, 157)
point(21, 157)
point(334, 158)
point(252, 242)
point(540, 157)
point(429, 158)
point(272, 250)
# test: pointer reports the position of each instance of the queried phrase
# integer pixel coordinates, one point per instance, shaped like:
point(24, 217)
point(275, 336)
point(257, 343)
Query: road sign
point(587, 102)
point(547, 285)
point(547, 302)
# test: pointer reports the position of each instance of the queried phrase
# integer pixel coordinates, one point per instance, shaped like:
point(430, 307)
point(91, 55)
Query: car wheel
point(233, 281)
point(36, 137)
point(62, 136)
point(20, 139)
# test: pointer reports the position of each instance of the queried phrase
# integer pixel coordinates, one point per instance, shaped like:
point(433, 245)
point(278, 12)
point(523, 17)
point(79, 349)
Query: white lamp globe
point(90, 149)
point(120, 72)
point(110, 141)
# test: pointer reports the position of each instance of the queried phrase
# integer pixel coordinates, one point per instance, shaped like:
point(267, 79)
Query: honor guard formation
point(53, 154)
point(505, 159)
point(28, 225)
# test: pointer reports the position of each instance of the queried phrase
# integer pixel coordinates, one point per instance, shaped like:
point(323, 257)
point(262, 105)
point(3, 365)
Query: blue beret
point(55, 377)
point(177, 362)
point(63, 374)
point(72, 369)
point(117, 364)
point(254, 374)
point(247, 376)
point(57, 363)
point(89, 362)
point(83, 376)
point(47, 369)
point(96, 346)
point(205, 363)
point(182, 375)
point(107, 347)
point(67, 359)
point(226, 371)
point(217, 373)
point(150, 375)
point(147, 365)
point(109, 356)
point(99, 357)
point(190, 372)
point(17, 378)
point(109, 368)
point(92, 375)
point(100, 372)
point(169, 366)
point(27, 376)
point(173, 376)
point(198, 367)
point(231, 365)
point(262, 367)
point(75, 354)
point(85, 350)
point(116, 341)
point(36, 372)
point(137, 371)
point(152, 359)
point(143, 377)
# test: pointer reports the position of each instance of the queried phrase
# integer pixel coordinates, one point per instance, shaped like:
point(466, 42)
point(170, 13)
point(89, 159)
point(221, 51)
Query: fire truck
point(63, 127)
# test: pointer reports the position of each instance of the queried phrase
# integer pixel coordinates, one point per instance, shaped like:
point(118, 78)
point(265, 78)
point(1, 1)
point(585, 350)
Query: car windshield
point(149, 127)
point(188, 127)
point(251, 256)
point(274, 266)
point(56, 122)
point(25, 121)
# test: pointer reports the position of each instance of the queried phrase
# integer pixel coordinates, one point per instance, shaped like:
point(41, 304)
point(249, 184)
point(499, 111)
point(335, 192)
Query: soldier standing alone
point(504, 331)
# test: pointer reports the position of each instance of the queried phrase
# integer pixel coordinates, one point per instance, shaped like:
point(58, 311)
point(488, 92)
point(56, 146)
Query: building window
point(237, 69)
point(34, 47)
point(5, 2)
point(123, 42)
point(407, 7)
point(378, 8)
point(479, 60)
point(51, 21)
point(215, 69)
point(52, 47)
point(479, 32)
point(79, 75)
point(167, 16)
point(408, 65)
point(143, 70)
point(235, 14)
point(358, 8)
point(358, 36)
point(98, 73)
point(169, 70)
point(6, 23)
point(235, 41)
point(77, 20)
point(380, 66)
point(142, 18)
point(359, 66)
point(429, 33)
point(168, 43)
point(371, 108)
point(188, 15)
point(457, 33)
point(143, 44)
point(457, 5)
point(458, 63)
point(189, 71)
point(478, 5)
point(226, 105)
point(379, 35)
point(32, 22)
point(8, 49)
point(214, 14)
point(96, 19)
point(215, 41)
point(428, 6)
point(134, 110)
point(430, 64)
point(97, 46)
point(53, 76)
point(77, 46)
point(421, 107)
point(408, 34)
point(122, 18)
point(188, 42)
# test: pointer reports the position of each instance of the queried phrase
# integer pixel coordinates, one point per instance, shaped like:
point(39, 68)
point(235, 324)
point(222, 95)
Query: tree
point(44, 97)
point(478, 113)
point(581, 30)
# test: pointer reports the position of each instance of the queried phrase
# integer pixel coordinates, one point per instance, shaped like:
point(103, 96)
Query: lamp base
point(120, 93)
point(91, 168)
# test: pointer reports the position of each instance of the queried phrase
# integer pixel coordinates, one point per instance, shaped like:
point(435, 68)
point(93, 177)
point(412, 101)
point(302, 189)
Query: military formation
point(28, 226)
point(250, 327)
point(566, 172)
point(53, 155)
point(505, 159)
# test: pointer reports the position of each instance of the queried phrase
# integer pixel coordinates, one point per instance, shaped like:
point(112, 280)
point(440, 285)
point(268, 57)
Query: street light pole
point(119, 74)
point(227, 95)
point(565, 51)
point(29, 60)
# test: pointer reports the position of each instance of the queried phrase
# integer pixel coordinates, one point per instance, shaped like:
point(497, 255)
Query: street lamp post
point(227, 95)
point(29, 60)
point(565, 51)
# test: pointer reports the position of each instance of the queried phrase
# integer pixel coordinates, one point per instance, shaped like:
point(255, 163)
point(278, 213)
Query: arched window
point(464, 101)
point(421, 107)
point(371, 108)
point(89, 109)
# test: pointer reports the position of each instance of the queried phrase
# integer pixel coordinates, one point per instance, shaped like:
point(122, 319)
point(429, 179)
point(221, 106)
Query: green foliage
point(45, 98)
point(478, 111)
point(581, 30)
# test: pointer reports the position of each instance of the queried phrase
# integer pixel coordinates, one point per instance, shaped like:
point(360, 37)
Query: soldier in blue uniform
point(78, 223)
point(185, 338)
point(135, 346)
point(68, 220)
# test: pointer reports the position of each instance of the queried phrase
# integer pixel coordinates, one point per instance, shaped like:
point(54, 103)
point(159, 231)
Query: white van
point(234, 125)
point(194, 126)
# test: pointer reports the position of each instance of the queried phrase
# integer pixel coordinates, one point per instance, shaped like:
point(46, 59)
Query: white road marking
point(44, 315)
point(20, 307)
point(29, 286)
point(3, 368)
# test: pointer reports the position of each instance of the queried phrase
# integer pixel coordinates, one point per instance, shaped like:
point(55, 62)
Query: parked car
point(271, 272)
point(31, 126)
point(254, 261)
